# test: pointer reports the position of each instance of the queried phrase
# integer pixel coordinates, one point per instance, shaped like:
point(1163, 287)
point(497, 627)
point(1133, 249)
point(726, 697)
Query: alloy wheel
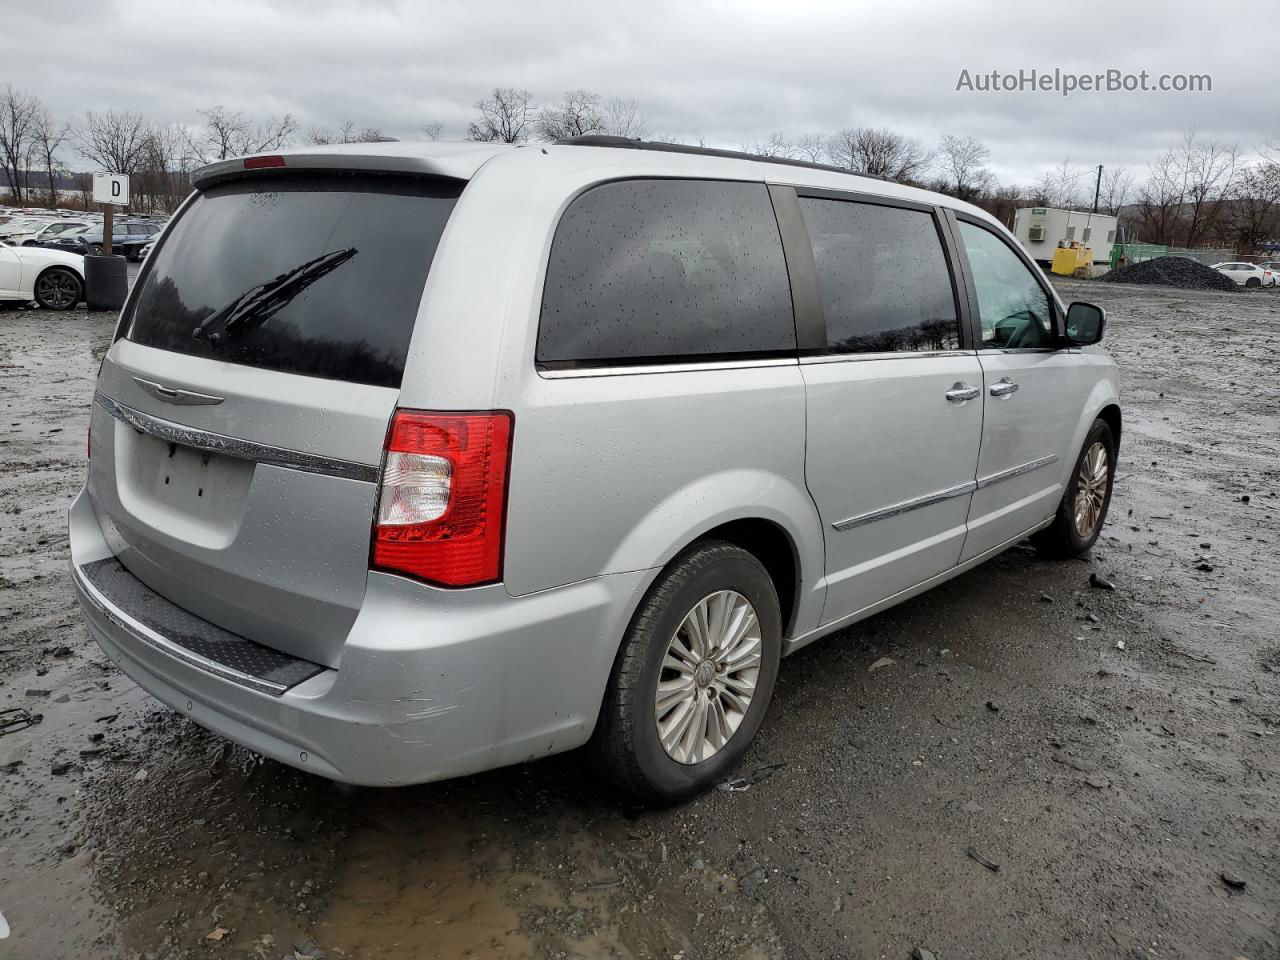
point(708, 677)
point(1091, 489)
point(57, 289)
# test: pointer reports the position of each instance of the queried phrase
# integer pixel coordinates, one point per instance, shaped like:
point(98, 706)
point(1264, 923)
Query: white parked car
point(52, 278)
point(1247, 274)
point(22, 228)
point(48, 232)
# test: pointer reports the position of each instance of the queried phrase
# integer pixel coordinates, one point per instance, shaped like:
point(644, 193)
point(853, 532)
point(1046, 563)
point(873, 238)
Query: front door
point(894, 401)
point(1032, 394)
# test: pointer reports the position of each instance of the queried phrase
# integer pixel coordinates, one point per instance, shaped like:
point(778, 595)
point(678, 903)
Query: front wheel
point(1083, 509)
point(58, 288)
point(693, 677)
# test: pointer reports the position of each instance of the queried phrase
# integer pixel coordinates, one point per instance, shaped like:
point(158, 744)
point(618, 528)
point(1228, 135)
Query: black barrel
point(106, 282)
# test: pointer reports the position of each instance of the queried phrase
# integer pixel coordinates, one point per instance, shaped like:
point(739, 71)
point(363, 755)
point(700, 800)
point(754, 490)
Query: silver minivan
point(409, 461)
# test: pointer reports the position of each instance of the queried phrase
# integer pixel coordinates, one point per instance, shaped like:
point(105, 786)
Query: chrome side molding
point(172, 432)
point(929, 499)
point(905, 506)
point(984, 482)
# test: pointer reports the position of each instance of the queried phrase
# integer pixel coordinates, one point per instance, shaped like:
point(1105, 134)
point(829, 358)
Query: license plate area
point(196, 494)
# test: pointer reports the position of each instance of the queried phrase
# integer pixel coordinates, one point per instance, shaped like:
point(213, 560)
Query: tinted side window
point(664, 269)
point(1013, 307)
point(883, 278)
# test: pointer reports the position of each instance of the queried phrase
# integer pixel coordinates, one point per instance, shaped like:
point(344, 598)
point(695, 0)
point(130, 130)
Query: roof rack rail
point(626, 143)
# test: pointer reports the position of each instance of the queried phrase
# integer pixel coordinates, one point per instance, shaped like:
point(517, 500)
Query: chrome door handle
point(960, 392)
point(1004, 388)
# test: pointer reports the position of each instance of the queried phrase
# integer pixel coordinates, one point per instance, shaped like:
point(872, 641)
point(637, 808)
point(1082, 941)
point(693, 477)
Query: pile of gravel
point(1172, 272)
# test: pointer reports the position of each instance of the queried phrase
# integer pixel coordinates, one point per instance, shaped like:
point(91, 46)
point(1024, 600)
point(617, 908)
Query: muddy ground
point(1112, 787)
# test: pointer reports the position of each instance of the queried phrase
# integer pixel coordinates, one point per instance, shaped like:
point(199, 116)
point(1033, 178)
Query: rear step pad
point(243, 660)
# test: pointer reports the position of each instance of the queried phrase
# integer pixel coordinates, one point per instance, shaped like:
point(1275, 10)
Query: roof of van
point(463, 161)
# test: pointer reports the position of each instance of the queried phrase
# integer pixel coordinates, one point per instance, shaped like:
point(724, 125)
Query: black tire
point(625, 746)
point(1062, 538)
point(59, 288)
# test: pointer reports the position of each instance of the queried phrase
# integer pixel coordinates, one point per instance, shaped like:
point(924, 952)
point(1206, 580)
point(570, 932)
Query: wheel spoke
point(695, 732)
point(740, 629)
point(718, 730)
point(675, 727)
point(670, 693)
point(734, 701)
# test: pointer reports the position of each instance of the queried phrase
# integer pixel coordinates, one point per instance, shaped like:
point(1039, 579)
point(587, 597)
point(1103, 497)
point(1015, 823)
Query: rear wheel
point(694, 676)
point(1083, 509)
point(58, 288)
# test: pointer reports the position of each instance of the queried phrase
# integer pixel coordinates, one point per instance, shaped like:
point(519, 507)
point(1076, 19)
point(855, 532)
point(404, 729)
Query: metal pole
point(108, 212)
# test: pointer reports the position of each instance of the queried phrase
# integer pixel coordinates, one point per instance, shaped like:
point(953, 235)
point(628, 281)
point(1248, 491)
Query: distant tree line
point(1198, 192)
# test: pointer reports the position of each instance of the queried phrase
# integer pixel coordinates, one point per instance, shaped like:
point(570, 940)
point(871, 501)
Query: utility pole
point(1097, 191)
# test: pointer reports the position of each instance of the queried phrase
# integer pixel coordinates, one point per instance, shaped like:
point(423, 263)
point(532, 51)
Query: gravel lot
point(1112, 787)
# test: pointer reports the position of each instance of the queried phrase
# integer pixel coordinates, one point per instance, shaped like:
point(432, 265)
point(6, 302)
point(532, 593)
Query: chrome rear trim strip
point(905, 506)
point(984, 482)
point(172, 432)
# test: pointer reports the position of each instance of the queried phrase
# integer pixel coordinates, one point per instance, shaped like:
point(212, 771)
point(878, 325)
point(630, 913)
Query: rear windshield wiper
point(258, 304)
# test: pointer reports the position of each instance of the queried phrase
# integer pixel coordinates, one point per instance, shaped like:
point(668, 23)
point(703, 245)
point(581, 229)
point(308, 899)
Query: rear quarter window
point(662, 270)
point(369, 241)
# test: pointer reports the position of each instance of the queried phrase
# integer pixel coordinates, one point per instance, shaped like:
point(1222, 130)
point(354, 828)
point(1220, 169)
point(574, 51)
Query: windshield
point(313, 274)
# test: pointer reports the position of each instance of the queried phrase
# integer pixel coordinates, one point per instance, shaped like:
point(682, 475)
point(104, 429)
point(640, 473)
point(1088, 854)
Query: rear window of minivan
point(319, 275)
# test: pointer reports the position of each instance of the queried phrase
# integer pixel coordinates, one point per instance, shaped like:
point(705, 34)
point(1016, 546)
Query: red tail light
point(442, 501)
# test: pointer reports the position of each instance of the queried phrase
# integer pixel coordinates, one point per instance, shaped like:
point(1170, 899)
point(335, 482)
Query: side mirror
point(1085, 323)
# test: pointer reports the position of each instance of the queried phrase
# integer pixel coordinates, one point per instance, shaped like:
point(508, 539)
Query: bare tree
point(115, 142)
point(774, 145)
point(433, 130)
point(1210, 175)
point(620, 117)
point(1257, 202)
point(163, 176)
point(505, 116)
point(228, 133)
point(1061, 187)
point(963, 164)
point(19, 112)
point(48, 138)
point(879, 152)
point(1117, 188)
point(812, 147)
point(576, 114)
point(1003, 202)
point(1160, 200)
point(346, 133)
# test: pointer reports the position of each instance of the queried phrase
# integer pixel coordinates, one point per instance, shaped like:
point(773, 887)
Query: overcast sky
point(727, 72)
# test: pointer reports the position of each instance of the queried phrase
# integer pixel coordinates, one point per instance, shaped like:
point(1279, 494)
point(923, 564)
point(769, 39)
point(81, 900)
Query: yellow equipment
point(1071, 258)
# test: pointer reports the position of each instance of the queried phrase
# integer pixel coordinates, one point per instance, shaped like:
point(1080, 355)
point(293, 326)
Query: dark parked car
point(127, 238)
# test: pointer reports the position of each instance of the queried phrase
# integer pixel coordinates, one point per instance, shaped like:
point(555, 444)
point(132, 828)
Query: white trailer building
point(1041, 229)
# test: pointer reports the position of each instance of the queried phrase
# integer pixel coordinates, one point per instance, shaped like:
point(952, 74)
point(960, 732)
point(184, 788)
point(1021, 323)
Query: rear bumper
point(432, 683)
